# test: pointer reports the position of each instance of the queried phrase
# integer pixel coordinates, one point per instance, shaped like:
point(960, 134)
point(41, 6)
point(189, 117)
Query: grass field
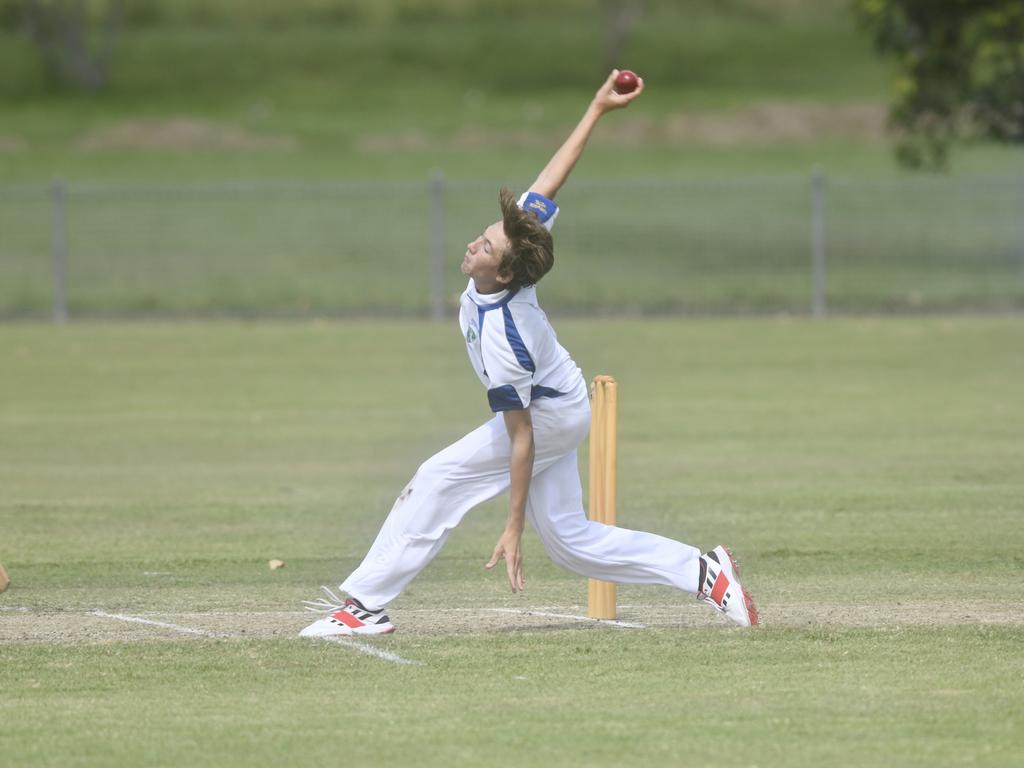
point(869, 473)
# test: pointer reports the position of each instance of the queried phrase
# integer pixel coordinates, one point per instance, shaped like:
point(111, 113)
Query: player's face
point(483, 257)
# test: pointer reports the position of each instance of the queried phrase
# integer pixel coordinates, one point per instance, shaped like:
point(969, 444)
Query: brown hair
point(531, 251)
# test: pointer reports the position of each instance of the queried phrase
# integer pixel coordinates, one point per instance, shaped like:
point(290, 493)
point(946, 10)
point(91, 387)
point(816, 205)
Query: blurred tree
point(74, 37)
point(619, 17)
point(961, 71)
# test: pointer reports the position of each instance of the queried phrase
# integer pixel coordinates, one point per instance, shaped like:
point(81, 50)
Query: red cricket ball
point(625, 81)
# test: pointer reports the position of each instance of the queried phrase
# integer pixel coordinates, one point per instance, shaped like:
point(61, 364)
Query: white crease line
point(361, 647)
point(611, 622)
point(372, 651)
point(165, 625)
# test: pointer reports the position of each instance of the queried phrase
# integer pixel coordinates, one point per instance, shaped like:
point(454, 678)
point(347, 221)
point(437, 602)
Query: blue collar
point(496, 305)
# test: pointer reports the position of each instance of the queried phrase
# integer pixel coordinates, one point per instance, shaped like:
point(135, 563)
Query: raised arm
point(558, 168)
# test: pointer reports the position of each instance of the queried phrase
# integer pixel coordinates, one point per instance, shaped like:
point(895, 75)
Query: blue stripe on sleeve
point(504, 398)
point(516, 341)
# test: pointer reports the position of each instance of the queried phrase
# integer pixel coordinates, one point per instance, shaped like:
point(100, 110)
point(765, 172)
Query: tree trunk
point(619, 16)
point(61, 32)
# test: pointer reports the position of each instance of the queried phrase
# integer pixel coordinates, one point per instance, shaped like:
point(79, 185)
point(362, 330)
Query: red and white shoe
point(721, 588)
point(345, 618)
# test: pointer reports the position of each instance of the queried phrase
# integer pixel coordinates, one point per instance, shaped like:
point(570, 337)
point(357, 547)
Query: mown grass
point(868, 466)
point(855, 697)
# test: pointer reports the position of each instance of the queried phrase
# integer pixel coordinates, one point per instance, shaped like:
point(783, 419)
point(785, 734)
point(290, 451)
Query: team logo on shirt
point(471, 333)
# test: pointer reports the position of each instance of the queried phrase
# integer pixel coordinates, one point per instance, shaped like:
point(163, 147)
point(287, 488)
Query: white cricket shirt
point(511, 344)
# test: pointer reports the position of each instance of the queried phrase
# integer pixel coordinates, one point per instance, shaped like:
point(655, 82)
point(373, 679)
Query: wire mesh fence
point(795, 244)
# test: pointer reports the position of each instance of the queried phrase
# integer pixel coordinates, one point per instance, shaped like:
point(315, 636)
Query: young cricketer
point(542, 414)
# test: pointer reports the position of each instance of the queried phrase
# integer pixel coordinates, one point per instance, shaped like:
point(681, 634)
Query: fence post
point(437, 245)
point(1020, 190)
point(818, 265)
point(58, 204)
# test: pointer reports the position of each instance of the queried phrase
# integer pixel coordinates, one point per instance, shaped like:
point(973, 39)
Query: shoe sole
point(387, 631)
point(351, 633)
point(748, 601)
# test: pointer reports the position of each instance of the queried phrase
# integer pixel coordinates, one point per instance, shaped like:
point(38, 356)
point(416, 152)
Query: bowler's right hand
point(606, 99)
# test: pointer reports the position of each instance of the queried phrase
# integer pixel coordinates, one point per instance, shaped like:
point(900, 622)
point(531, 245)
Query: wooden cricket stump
point(603, 483)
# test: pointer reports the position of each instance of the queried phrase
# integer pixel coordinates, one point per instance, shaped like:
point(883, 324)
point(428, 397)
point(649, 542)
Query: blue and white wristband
point(542, 207)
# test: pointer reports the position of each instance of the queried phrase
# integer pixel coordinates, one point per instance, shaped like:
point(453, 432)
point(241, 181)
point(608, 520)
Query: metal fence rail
point(798, 244)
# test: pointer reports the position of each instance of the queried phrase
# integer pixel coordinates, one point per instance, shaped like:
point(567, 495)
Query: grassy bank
point(303, 93)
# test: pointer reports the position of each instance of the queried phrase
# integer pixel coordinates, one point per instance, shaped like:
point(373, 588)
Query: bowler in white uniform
point(541, 415)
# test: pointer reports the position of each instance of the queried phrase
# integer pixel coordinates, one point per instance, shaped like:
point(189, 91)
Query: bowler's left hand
point(509, 547)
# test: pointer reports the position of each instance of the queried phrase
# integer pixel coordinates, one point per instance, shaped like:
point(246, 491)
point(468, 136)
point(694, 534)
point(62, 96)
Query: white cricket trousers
point(475, 469)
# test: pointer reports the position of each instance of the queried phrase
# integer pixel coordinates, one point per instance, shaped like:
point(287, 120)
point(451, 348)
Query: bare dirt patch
point(763, 123)
point(10, 145)
point(181, 134)
point(778, 122)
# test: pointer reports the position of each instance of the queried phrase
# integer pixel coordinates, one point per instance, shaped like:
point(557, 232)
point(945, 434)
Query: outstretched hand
point(606, 99)
point(508, 547)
